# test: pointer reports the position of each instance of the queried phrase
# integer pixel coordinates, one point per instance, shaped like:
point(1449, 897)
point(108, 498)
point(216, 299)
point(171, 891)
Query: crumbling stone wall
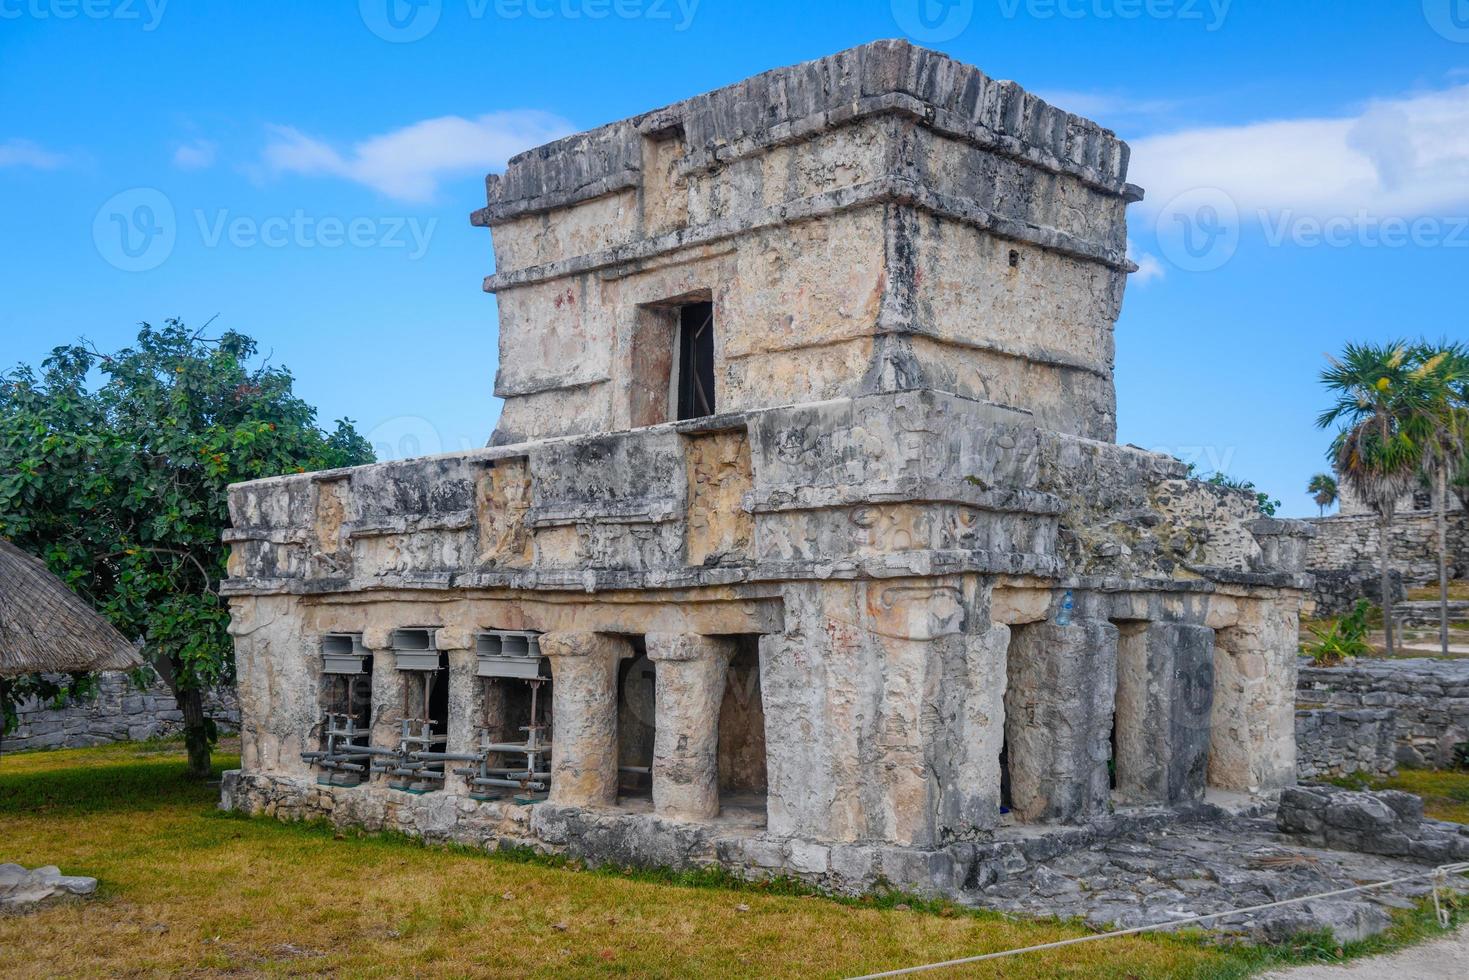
point(1430, 699)
point(1344, 556)
point(1343, 743)
point(119, 713)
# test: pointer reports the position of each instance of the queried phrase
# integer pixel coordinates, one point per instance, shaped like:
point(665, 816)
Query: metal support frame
point(532, 779)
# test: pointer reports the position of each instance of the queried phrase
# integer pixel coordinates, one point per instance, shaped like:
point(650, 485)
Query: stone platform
point(1136, 866)
point(1237, 862)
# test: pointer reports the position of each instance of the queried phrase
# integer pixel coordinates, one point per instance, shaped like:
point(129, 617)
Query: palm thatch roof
point(47, 628)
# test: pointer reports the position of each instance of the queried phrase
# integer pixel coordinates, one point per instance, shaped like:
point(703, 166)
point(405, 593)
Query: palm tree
point(1379, 403)
point(1443, 371)
point(1323, 490)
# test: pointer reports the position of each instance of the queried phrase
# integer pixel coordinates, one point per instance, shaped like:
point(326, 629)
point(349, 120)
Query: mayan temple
point(803, 544)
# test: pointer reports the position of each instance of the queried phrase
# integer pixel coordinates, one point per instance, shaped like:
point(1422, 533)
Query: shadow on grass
point(128, 785)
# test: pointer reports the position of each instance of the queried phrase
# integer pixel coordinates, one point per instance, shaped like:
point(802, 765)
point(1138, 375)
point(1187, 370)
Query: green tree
point(117, 479)
point(1378, 402)
point(1323, 490)
point(1443, 370)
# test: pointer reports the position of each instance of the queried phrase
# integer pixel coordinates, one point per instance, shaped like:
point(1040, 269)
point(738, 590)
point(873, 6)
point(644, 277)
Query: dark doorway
point(637, 705)
point(695, 360)
point(438, 697)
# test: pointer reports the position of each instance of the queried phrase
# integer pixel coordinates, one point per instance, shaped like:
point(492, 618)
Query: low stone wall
point(120, 712)
point(1344, 556)
point(1339, 743)
point(1388, 823)
point(622, 837)
point(1430, 699)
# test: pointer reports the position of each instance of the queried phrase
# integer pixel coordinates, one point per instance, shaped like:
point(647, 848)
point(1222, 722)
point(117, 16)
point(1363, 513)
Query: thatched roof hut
point(47, 628)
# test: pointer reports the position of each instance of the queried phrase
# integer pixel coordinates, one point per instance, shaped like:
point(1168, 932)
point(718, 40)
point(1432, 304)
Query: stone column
point(1058, 719)
point(466, 701)
point(1252, 746)
point(387, 688)
point(584, 715)
point(1165, 690)
point(692, 670)
point(279, 668)
point(970, 797)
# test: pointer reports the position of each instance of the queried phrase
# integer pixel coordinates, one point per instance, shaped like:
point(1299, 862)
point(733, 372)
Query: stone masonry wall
point(1344, 556)
point(1339, 743)
point(1429, 697)
point(119, 713)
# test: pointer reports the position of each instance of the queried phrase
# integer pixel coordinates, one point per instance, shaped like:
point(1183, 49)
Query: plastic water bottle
point(1063, 618)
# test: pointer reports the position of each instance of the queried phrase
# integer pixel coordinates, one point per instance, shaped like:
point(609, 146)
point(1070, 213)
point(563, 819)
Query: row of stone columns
point(1187, 713)
point(691, 674)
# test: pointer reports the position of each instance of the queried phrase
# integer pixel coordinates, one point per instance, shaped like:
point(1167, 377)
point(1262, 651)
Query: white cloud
point(24, 153)
point(1148, 266)
point(196, 155)
point(408, 163)
point(1400, 157)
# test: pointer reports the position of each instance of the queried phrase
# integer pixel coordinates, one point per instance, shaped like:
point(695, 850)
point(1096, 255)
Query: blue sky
point(312, 167)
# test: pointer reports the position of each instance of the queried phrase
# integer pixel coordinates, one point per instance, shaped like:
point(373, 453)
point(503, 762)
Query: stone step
point(1424, 612)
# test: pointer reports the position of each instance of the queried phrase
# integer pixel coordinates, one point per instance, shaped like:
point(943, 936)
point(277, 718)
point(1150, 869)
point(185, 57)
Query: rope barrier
point(1439, 875)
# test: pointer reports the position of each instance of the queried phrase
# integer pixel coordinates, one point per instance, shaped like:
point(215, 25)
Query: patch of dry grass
point(1458, 589)
point(189, 891)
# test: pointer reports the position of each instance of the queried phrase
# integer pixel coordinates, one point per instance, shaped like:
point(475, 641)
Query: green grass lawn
point(185, 889)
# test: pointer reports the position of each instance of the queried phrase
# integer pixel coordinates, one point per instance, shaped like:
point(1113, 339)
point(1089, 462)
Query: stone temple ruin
point(802, 545)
